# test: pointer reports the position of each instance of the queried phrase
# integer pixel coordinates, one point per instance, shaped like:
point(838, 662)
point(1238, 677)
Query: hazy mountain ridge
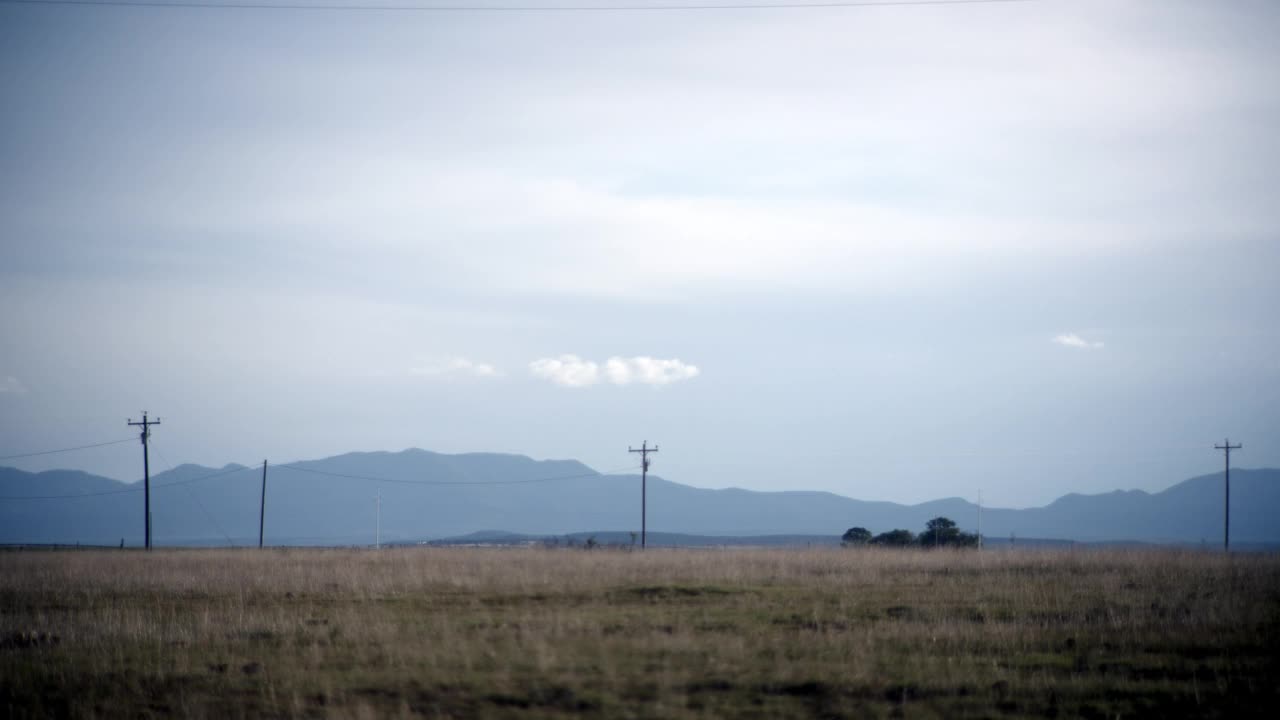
point(562, 497)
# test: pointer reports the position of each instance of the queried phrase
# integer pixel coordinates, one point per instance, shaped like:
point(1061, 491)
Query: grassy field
point(661, 634)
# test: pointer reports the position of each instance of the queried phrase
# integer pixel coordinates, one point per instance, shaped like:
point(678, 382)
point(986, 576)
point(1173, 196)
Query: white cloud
point(647, 370)
point(11, 384)
point(1073, 340)
point(573, 371)
point(566, 370)
point(456, 366)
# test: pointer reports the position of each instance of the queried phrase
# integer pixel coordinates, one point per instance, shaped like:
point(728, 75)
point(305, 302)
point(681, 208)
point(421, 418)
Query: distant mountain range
point(426, 495)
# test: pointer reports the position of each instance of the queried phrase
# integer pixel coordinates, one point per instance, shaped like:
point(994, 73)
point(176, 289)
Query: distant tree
point(855, 536)
point(942, 532)
point(938, 532)
point(894, 538)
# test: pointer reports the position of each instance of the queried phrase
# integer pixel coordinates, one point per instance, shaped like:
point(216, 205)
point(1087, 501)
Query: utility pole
point(377, 536)
point(262, 507)
point(146, 467)
point(1226, 447)
point(644, 481)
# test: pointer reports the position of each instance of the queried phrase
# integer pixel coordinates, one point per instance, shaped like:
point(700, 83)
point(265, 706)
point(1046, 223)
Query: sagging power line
point(403, 481)
point(145, 435)
point(242, 468)
point(124, 491)
point(70, 449)
point(199, 503)
point(262, 512)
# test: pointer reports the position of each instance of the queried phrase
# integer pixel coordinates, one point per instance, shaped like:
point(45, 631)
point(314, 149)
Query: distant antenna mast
point(644, 477)
point(146, 468)
point(1226, 447)
point(377, 538)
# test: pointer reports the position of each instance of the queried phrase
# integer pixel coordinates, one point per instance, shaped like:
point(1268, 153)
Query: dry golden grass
point(662, 634)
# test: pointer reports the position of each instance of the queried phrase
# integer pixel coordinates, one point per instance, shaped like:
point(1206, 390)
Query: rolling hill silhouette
point(428, 495)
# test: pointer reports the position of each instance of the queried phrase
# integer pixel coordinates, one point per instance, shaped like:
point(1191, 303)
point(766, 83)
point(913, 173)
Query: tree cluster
point(938, 532)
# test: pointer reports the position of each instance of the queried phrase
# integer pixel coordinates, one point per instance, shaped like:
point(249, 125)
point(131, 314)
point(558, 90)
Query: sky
point(1009, 249)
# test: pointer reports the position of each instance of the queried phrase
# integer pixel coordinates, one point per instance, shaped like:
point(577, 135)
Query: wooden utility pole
point(146, 468)
point(1227, 447)
point(262, 507)
point(644, 478)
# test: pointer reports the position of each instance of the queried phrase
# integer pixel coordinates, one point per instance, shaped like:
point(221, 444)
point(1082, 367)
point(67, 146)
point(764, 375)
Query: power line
point(208, 515)
point(62, 450)
point(159, 486)
point(370, 478)
point(402, 481)
point(220, 473)
point(73, 495)
point(505, 8)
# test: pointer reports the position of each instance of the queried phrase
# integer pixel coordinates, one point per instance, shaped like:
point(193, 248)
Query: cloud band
point(572, 371)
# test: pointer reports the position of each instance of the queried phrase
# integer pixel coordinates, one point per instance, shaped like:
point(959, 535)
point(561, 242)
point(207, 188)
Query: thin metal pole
point(262, 507)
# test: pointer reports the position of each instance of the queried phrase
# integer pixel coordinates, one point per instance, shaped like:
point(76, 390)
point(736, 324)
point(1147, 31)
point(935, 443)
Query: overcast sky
point(899, 253)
